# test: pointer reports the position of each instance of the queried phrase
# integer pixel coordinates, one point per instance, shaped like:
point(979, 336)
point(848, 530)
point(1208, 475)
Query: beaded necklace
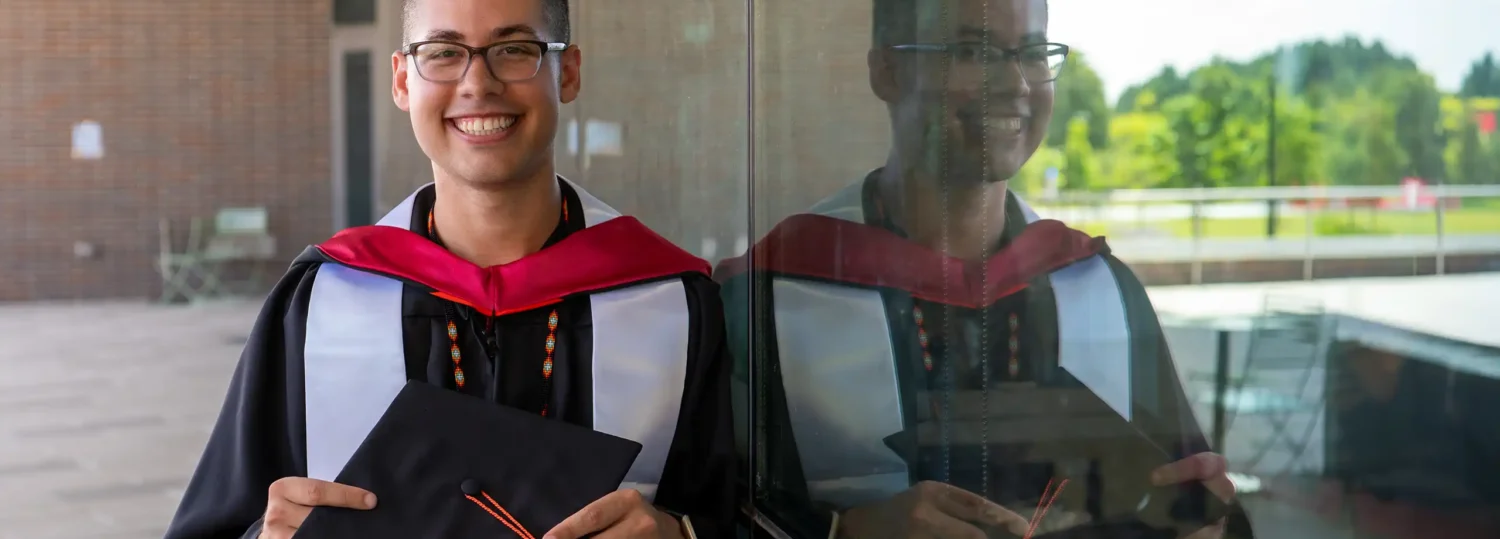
point(1013, 320)
point(450, 316)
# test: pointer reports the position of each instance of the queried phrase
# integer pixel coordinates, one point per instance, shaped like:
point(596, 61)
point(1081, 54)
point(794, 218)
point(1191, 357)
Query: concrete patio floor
point(104, 409)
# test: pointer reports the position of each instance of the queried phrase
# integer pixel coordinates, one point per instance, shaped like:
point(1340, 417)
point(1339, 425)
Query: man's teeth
point(488, 125)
point(1006, 124)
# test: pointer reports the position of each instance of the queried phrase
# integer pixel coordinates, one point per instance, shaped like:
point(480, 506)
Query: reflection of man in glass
point(934, 360)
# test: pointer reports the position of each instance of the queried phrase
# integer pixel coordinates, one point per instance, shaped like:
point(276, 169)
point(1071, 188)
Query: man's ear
point(570, 74)
point(882, 74)
point(399, 92)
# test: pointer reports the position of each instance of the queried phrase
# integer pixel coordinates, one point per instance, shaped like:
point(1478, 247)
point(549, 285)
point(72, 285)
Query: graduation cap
point(1060, 424)
point(445, 464)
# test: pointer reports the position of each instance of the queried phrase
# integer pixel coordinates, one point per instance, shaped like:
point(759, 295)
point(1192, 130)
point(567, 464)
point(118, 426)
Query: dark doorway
point(359, 137)
point(354, 12)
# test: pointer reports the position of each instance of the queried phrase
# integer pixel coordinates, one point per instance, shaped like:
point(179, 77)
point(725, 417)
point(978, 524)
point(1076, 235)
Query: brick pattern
point(203, 105)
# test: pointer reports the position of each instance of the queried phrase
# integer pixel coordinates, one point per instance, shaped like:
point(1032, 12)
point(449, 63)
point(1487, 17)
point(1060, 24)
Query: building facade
point(198, 105)
point(284, 104)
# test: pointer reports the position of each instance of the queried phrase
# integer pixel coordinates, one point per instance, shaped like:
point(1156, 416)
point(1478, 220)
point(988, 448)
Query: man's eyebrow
point(513, 30)
point(1034, 37)
point(972, 31)
point(502, 32)
point(979, 32)
point(444, 35)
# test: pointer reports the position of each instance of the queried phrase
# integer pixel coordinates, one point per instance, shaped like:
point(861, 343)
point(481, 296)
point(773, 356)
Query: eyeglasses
point(507, 61)
point(1039, 62)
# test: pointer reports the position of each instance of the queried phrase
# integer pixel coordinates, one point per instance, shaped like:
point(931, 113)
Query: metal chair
point(185, 274)
point(242, 236)
point(1281, 384)
point(238, 236)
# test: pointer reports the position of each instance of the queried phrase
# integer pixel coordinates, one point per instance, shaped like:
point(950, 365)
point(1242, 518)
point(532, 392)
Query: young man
point(931, 358)
point(499, 280)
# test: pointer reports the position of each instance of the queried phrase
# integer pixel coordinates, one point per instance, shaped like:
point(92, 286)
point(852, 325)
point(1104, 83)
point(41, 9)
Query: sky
point(1129, 41)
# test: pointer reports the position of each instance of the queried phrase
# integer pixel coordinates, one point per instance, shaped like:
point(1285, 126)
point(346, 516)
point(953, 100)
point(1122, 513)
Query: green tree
point(1142, 152)
point(1418, 122)
point(1476, 157)
point(1492, 165)
point(1483, 79)
point(1361, 142)
point(1220, 128)
point(1162, 88)
point(1079, 93)
point(1180, 113)
point(1299, 146)
point(1080, 167)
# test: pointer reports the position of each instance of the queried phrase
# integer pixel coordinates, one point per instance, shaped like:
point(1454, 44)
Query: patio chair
point(186, 275)
point(238, 236)
point(242, 236)
point(1279, 395)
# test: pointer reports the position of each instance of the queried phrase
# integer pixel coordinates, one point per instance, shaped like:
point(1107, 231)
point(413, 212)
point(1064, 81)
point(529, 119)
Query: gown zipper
point(489, 340)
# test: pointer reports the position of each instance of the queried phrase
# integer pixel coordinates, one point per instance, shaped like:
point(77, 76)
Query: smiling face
point(965, 112)
point(477, 129)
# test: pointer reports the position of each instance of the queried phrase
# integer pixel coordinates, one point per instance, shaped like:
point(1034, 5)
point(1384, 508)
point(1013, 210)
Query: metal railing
point(1197, 198)
point(1233, 194)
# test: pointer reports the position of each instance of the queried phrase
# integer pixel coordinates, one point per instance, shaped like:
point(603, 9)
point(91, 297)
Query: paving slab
point(104, 409)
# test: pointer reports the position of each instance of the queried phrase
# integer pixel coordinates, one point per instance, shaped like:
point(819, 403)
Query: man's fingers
point(315, 493)
point(632, 526)
point(1221, 486)
point(1215, 531)
point(285, 513)
point(276, 532)
point(971, 507)
point(1199, 467)
point(939, 524)
point(597, 516)
point(1209, 468)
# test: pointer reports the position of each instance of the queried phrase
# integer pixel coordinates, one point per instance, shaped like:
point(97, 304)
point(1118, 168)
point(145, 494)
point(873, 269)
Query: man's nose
point(1003, 78)
point(479, 79)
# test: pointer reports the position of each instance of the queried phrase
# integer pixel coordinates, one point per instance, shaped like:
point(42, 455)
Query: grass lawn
point(1479, 219)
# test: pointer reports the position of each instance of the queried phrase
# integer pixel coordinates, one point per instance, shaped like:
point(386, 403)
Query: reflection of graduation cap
point(448, 465)
point(1061, 424)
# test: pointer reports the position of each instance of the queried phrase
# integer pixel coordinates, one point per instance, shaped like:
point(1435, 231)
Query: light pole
point(1271, 163)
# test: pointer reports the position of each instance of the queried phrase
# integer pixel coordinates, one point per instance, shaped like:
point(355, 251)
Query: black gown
point(260, 435)
point(956, 337)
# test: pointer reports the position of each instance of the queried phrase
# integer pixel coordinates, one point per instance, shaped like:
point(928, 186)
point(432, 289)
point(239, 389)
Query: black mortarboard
point(440, 462)
point(1059, 424)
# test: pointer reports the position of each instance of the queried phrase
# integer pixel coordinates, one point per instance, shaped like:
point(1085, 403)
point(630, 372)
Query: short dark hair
point(894, 22)
point(555, 15)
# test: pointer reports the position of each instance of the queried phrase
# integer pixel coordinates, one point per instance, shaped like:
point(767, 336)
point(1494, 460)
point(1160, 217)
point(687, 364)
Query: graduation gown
point(868, 375)
point(638, 352)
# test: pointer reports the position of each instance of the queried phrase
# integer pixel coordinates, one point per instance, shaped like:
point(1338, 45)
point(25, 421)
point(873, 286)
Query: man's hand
point(1209, 468)
point(292, 498)
point(622, 514)
point(929, 510)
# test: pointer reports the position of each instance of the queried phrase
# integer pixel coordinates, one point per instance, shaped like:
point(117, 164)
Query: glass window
point(1013, 262)
point(659, 130)
point(990, 268)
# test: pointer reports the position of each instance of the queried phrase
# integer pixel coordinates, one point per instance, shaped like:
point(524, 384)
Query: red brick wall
point(203, 105)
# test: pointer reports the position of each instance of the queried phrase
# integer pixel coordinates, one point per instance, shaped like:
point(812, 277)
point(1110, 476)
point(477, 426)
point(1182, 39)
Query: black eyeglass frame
point(410, 51)
point(1005, 54)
